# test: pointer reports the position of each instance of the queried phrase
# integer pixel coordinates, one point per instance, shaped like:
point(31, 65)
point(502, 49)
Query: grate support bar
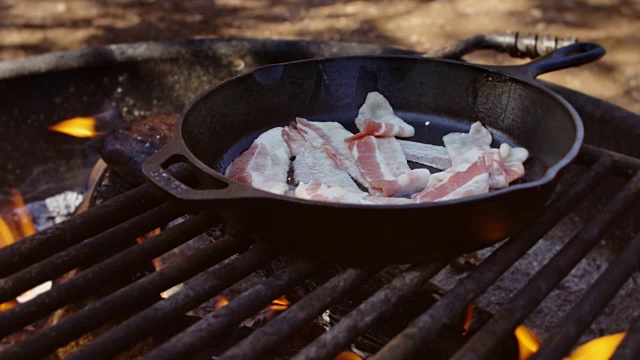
point(629, 348)
point(427, 325)
point(568, 331)
point(91, 279)
point(373, 309)
point(71, 258)
point(134, 297)
point(297, 316)
point(148, 321)
point(194, 338)
point(624, 165)
point(59, 237)
point(537, 288)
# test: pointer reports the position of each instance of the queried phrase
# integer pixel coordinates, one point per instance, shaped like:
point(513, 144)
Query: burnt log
point(127, 148)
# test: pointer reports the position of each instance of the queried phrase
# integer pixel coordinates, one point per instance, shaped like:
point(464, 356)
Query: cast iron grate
point(62, 248)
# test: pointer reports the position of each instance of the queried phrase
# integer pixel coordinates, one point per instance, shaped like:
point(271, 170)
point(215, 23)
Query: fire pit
point(116, 304)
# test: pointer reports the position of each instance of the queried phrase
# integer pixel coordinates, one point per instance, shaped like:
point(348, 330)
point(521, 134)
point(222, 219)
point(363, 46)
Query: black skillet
point(222, 122)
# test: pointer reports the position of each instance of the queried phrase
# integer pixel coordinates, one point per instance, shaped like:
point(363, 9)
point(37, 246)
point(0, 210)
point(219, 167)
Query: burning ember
point(280, 304)
point(468, 318)
point(220, 303)
point(347, 355)
point(80, 127)
point(599, 348)
point(157, 264)
point(152, 233)
point(528, 342)
point(8, 305)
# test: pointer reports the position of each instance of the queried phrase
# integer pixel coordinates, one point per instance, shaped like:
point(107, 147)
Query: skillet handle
point(157, 173)
point(565, 57)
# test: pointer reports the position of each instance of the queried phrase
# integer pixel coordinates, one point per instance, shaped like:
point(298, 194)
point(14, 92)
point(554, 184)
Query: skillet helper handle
point(565, 57)
point(156, 171)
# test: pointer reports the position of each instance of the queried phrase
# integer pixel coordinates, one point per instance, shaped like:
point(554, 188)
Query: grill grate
point(57, 250)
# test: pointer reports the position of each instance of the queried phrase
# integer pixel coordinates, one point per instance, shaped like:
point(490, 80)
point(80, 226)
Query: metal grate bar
point(191, 340)
point(629, 349)
point(148, 321)
point(297, 316)
point(41, 245)
point(373, 309)
point(567, 332)
point(537, 288)
point(91, 279)
point(427, 325)
point(134, 297)
point(60, 263)
point(624, 165)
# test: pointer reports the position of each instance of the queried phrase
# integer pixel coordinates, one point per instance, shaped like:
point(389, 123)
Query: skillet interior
point(224, 122)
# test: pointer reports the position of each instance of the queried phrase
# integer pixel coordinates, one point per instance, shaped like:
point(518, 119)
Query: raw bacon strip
point(321, 192)
point(314, 164)
point(476, 186)
point(294, 139)
point(374, 128)
point(458, 182)
point(330, 136)
point(265, 164)
point(426, 154)
point(497, 172)
point(382, 162)
point(467, 148)
point(513, 161)
point(376, 117)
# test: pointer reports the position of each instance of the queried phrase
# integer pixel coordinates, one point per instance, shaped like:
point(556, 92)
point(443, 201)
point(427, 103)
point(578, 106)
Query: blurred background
point(29, 27)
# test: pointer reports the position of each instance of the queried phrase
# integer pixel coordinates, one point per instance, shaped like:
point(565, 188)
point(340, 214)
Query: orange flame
point(220, 303)
point(280, 304)
point(80, 127)
point(23, 218)
point(601, 348)
point(6, 238)
point(8, 305)
point(6, 235)
point(157, 264)
point(468, 318)
point(150, 234)
point(347, 355)
point(528, 342)
point(17, 224)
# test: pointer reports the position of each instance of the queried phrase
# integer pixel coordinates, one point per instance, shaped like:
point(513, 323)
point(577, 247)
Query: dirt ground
point(30, 27)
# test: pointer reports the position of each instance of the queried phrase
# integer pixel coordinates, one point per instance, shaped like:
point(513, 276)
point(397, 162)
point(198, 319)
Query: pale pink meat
point(376, 117)
point(466, 148)
point(461, 181)
point(294, 139)
point(321, 192)
point(426, 154)
point(265, 164)
point(382, 162)
point(497, 172)
point(513, 161)
point(330, 136)
point(375, 128)
point(312, 163)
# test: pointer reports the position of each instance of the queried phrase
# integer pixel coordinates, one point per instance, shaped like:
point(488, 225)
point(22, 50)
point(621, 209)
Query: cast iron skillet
point(222, 122)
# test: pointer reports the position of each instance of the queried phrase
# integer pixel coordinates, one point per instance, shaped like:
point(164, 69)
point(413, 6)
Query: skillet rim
point(548, 177)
